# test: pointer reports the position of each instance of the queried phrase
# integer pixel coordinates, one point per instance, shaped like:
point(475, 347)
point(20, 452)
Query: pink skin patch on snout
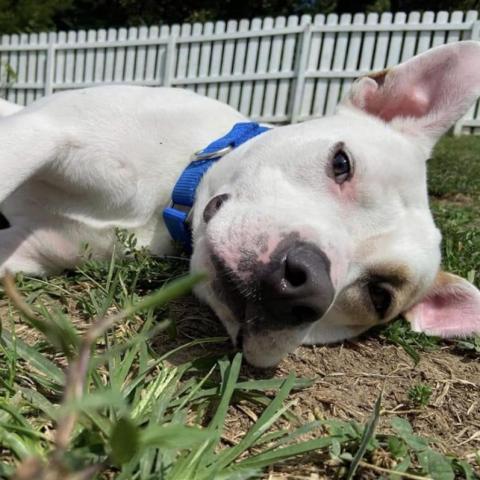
point(240, 254)
point(244, 253)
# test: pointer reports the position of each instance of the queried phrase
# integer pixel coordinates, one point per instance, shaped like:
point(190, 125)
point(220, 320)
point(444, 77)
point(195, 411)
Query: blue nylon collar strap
point(177, 215)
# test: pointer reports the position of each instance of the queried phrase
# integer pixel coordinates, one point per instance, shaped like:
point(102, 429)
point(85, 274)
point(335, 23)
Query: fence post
point(303, 50)
point(169, 61)
point(474, 34)
point(49, 67)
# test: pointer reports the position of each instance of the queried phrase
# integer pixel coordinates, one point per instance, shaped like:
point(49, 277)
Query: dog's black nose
point(296, 287)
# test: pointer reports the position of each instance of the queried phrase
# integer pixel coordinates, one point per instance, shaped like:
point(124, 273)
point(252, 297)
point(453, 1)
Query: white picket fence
point(272, 69)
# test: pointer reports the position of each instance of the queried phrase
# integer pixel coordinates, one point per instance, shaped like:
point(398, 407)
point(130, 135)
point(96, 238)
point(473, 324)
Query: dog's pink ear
point(450, 309)
point(426, 94)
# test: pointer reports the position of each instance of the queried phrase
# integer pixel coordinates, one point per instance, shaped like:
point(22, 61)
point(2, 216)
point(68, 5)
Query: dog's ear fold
point(426, 94)
point(450, 309)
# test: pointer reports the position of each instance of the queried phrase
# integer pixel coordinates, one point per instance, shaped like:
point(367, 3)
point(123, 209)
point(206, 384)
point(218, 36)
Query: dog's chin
point(263, 343)
point(266, 349)
point(263, 340)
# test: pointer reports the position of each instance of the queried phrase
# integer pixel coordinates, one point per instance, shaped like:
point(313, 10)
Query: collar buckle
point(202, 155)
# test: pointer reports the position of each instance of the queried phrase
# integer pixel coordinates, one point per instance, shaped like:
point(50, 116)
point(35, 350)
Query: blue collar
point(177, 215)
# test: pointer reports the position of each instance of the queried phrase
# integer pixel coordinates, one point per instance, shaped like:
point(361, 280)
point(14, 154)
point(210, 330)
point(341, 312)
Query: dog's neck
point(177, 215)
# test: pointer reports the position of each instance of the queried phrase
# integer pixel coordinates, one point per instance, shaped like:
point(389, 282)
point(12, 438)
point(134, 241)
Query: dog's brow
point(395, 274)
point(401, 280)
point(335, 148)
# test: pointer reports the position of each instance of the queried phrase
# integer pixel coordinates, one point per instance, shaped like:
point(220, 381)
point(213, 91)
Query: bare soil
point(348, 378)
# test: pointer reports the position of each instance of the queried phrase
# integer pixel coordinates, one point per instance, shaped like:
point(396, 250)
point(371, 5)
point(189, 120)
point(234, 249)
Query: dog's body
point(84, 170)
point(312, 233)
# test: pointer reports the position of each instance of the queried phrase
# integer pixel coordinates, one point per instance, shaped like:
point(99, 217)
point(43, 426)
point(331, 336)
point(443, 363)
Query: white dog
point(311, 233)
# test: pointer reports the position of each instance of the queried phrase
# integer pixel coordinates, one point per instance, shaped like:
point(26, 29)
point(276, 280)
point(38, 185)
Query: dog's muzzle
point(292, 289)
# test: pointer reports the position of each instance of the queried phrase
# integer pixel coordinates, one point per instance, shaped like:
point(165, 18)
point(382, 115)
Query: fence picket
point(471, 18)
point(130, 55)
point(410, 37)
point(50, 63)
point(381, 48)
point(353, 53)
point(396, 40)
point(22, 69)
point(80, 58)
point(425, 37)
point(4, 67)
point(13, 65)
point(439, 35)
point(120, 57)
point(32, 60)
point(183, 51)
point(301, 61)
point(70, 57)
point(110, 56)
point(205, 54)
point(321, 93)
point(250, 65)
point(151, 55)
point(240, 52)
point(341, 43)
point(216, 60)
point(261, 67)
point(89, 73)
point(59, 77)
point(286, 66)
point(194, 55)
point(454, 35)
point(227, 62)
point(275, 59)
point(368, 46)
point(166, 66)
point(99, 60)
point(141, 55)
point(312, 64)
point(474, 112)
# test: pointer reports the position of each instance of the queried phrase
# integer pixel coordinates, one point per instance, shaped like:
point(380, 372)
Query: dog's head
point(315, 232)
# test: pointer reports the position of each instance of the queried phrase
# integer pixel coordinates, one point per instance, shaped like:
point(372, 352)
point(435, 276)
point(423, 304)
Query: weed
point(420, 395)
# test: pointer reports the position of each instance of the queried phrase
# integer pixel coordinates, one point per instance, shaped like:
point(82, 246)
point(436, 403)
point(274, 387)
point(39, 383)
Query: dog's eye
point(381, 298)
point(214, 205)
point(341, 167)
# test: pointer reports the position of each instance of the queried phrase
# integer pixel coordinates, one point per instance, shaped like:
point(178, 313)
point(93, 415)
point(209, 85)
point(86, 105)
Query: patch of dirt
point(348, 379)
point(459, 199)
point(351, 376)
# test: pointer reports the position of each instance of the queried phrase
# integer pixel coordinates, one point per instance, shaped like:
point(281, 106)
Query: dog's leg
point(40, 245)
point(27, 143)
point(19, 252)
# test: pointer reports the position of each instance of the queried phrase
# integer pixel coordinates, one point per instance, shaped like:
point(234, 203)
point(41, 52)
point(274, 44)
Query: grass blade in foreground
point(368, 434)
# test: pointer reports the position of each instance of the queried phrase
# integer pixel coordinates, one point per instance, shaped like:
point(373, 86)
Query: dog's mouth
point(230, 292)
point(263, 339)
point(243, 300)
point(238, 342)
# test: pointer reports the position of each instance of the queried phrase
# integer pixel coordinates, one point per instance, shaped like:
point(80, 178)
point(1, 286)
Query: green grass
point(125, 410)
point(420, 395)
point(455, 168)
point(139, 416)
point(454, 187)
